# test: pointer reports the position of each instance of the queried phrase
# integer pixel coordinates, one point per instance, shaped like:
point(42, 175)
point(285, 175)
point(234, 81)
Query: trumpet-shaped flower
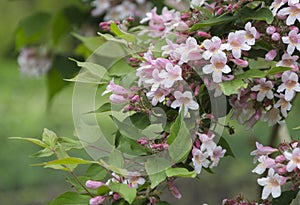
point(199, 160)
point(293, 10)
point(172, 75)
point(218, 153)
point(272, 184)
point(288, 61)
point(283, 104)
point(217, 67)
point(265, 162)
point(293, 41)
point(294, 159)
point(236, 43)
point(158, 95)
point(184, 100)
point(250, 34)
point(213, 46)
point(276, 5)
point(262, 150)
point(290, 85)
point(264, 88)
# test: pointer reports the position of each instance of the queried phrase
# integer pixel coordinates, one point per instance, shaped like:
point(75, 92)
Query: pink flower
point(189, 51)
point(288, 61)
point(277, 4)
point(101, 7)
point(114, 98)
point(272, 184)
point(264, 88)
point(290, 85)
point(172, 75)
point(294, 159)
point(217, 67)
point(275, 36)
point(265, 162)
point(158, 95)
point(218, 153)
point(116, 89)
point(270, 30)
point(199, 159)
point(184, 100)
point(156, 79)
point(240, 62)
point(236, 43)
point(293, 41)
point(212, 47)
point(97, 200)
point(135, 180)
point(262, 150)
point(250, 34)
point(208, 144)
point(272, 117)
point(293, 10)
point(283, 104)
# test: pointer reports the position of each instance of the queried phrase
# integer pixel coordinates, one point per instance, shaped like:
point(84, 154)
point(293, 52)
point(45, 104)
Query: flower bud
point(114, 98)
point(275, 36)
point(294, 28)
point(270, 30)
point(240, 62)
point(203, 34)
point(97, 200)
point(93, 184)
point(280, 159)
point(271, 55)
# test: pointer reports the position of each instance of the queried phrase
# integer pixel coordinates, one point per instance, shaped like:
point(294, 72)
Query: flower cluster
point(134, 180)
point(282, 165)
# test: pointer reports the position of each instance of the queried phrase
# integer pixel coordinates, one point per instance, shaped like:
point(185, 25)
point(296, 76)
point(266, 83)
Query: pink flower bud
point(282, 170)
point(294, 28)
point(93, 184)
point(114, 98)
point(280, 159)
point(97, 200)
point(203, 34)
point(271, 55)
point(275, 36)
point(174, 190)
point(270, 30)
point(219, 11)
point(165, 145)
point(197, 89)
point(116, 196)
point(253, 95)
point(142, 141)
point(135, 98)
point(240, 62)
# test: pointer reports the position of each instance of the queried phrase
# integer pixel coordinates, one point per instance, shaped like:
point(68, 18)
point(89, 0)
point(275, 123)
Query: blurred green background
point(24, 114)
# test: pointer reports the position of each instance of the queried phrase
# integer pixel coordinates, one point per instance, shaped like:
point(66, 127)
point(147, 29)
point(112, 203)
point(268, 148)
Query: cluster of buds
point(282, 165)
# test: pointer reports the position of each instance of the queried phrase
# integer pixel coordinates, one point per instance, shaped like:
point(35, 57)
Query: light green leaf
point(32, 140)
point(116, 158)
point(175, 128)
point(126, 192)
point(276, 70)
point(71, 198)
point(102, 190)
point(103, 108)
point(69, 143)
point(91, 43)
point(120, 68)
point(95, 69)
point(232, 86)
point(66, 161)
point(121, 34)
point(155, 168)
point(49, 137)
point(180, 172)
point(43, 153)
point(252, 73)
point(259, 63)
point(115, 169)
point(96, 172)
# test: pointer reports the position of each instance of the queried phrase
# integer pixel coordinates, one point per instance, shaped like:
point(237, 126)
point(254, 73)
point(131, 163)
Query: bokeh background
point(24, 113)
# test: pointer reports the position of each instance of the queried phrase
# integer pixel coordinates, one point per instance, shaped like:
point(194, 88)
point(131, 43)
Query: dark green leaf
point(103, 108)
point(224, 144)
point(262, 14)
point(76, 185)
point(213, 21)
point(163, 203)
point(102, 190)
point(286, 197)
point(60, 27)
point(71, 198)
point(140, 120)
point(96, 172)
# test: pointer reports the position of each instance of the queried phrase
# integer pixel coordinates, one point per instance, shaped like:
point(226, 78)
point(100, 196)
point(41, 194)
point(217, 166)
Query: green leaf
point(140, 120)
point(91, 43)
point(126, 192)
point(175, 128)
point(252, 73)
point(259, 63)
point(102, 190)
point(103, 108)
point(71, 198)
point(142, 201)
point(43, 153)
point(121, 34)
point(112, 168)
point(49, 137)
point(262, 14)
point(96, 172)
point(69, 143)
point(224, 144)
point(116, 158)
point(286, 197)
point(32, 140)
point(180, 172)
point(214, 21)
point(232, 86)
point(60, 26)
point(182, 143)
point(276, 70)
point(30, 29)
point(127, 129)
point(95, 69)
point(76, 185)
point(120, 68)
point(155, 168)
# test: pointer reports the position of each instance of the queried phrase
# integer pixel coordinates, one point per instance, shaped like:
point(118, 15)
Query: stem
point(79, 182)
